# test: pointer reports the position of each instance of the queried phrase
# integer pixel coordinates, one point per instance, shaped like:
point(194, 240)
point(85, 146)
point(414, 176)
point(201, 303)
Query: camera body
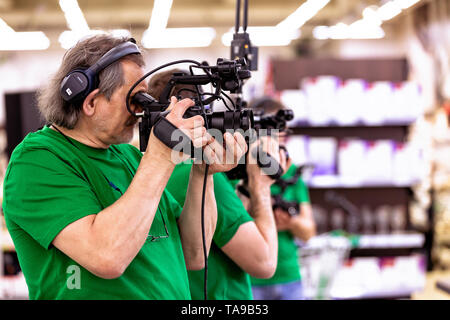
point(265, 123)
point(221, 120)
point(291, 207)
point(227, 75)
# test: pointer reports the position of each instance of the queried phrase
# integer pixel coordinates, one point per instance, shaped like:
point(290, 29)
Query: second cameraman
point(243, 244)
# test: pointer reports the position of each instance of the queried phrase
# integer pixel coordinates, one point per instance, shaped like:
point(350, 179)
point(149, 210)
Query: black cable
point(229, 98)
point(205, 180)
point(127, 101)
point(205, 253)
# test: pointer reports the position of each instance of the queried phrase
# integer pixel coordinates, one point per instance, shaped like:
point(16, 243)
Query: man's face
point(112, 123)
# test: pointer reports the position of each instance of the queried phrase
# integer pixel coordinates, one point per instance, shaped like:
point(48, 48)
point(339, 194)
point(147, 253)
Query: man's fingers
point(241, 143)
point(178, 108)
point(173, 101)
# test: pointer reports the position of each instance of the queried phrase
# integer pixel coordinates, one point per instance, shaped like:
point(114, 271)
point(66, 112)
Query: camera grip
point(164, 130)
point(267, 163)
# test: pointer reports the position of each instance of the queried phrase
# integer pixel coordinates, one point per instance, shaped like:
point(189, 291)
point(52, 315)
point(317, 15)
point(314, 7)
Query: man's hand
point(223, 157)
point(283, 220)
point(192, 127)
point(256, 177)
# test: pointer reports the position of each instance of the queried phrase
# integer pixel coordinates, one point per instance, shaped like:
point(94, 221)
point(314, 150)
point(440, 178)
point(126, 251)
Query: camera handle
point(164, 130)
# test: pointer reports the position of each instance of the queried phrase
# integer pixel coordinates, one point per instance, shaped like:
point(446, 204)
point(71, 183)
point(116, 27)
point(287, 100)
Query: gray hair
point(83, 55)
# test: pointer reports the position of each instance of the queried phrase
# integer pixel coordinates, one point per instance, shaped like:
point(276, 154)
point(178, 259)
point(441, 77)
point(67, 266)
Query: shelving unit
point(288, 75)
point(393, 131)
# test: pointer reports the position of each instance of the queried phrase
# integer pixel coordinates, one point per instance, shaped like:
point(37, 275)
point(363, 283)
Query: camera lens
point(230, 120)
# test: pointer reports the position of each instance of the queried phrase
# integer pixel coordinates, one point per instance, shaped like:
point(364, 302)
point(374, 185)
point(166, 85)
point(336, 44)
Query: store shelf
point(380, 278)
point(13, 287)
point(390, 131)
point(333, 181)
point(388, 245)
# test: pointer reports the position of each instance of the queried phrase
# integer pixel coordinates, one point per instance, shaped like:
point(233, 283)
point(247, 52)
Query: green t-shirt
point(226, 280)
point(51, 183)
point(288, 268)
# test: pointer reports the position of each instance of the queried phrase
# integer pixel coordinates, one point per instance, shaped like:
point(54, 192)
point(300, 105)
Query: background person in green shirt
point(286, 282)
point(88, 213)
point(243, 243)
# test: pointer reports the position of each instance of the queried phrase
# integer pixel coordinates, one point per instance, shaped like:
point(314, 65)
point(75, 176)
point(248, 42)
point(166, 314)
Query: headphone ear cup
point(75, 86)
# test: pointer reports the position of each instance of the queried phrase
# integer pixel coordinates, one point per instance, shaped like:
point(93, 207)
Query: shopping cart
point(321, 259)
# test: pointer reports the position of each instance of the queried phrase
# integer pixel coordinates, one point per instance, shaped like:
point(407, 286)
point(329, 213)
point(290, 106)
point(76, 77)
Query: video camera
point(291, 207)
point(227, 75)
point(264, 124)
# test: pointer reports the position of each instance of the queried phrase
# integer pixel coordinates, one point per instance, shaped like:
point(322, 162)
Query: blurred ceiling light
point(265, 36)
point(389, 10)
point(370, 15)
point(17, 41)
point(405, 4)
point(284, 32)
point(178, 38)
point(159, 36)
point(303, 13)
point(76, 22)
point(393, 8)
point(78, 25)
point(68, 39)
point(4, 27)
point(160, 15)
point(369, 27)
point(74, 16)
point(358, 30)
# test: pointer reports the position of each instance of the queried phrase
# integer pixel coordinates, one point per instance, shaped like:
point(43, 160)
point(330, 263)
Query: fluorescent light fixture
point(160, 15)
point(389, 10)
point(178, 38)
point(393, 8)
point(68, 39)
point(371, 16)
point(35, 40)
point(159, 36)
point(303, 13)
point(78, 25)
point(369, 27)
point(405, 4)
point(4, 28)
point(265, 36)
point(74, 16)
point(17, 41)
point(358, 30)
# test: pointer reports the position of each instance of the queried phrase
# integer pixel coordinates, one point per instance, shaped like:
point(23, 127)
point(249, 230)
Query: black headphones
point(80, 82)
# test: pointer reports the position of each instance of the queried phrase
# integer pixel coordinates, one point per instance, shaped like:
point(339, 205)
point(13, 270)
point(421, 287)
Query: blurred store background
point(369, 83)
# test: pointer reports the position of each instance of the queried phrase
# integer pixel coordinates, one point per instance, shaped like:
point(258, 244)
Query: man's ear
point(89, 102)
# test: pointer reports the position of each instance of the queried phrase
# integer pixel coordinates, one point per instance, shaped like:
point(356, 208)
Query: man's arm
point(107, 242)
point(254, 247)
point(190, 219)
point(302, 226)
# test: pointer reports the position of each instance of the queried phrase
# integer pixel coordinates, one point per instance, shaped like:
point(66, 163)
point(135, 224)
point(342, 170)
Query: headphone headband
point(80, 82)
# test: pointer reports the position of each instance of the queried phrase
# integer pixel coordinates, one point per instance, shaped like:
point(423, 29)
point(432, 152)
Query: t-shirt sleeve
point(231, 213)
point(302, 192)
point(43, 194)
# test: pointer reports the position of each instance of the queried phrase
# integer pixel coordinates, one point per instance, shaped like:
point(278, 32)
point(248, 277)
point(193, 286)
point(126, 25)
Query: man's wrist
point(200, 169)
point(160, 152)
point(258, 187)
